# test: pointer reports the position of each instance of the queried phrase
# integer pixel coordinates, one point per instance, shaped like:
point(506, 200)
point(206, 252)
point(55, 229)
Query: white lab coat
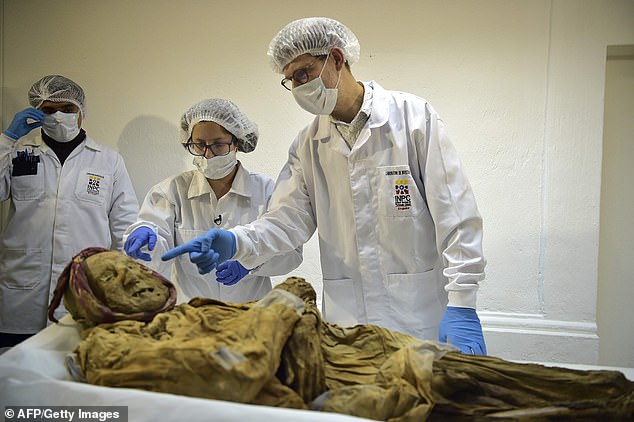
point(398, 223)
point(89, 201)
point(183, 207)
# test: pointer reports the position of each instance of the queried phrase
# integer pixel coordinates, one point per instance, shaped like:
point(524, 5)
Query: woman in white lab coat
point(67, 193)
point(220, 192)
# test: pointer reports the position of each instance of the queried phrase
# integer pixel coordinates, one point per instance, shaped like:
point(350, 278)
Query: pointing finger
point(179, 250)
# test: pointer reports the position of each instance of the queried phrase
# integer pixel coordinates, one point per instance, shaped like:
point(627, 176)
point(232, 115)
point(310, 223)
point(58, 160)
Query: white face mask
point(216, 167)
point(314, 97)
point(61, 126)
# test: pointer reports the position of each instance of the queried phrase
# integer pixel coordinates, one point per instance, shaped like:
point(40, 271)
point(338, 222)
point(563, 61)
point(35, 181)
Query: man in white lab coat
point(221, 193)
point(67, 193)
point(376, 174)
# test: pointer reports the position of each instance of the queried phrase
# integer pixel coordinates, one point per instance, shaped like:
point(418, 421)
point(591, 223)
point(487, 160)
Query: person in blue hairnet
point(375, 173)
point(66, 191)
point(220, 192)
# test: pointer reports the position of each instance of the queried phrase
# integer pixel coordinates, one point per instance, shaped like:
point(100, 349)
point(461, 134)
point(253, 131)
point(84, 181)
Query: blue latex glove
point(206, 251)
point(137, 239)
point(461, 327)
point(230, 272)
point(19, 126)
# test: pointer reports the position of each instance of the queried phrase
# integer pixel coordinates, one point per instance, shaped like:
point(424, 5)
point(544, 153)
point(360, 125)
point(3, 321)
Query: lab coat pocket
point(93, 186)
point(21, 269)
point(397, 193)
point(27, 187)
point(339, 302)
point(414, 303)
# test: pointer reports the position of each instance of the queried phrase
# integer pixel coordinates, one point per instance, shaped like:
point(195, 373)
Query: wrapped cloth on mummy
point(279, 352)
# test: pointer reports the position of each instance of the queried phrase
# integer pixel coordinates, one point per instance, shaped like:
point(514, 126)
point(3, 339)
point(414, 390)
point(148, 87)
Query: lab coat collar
point(378, 116)
point(380, 106)
point(200, 186)
point(240, 185)
point(323, 127)
point(92, 144)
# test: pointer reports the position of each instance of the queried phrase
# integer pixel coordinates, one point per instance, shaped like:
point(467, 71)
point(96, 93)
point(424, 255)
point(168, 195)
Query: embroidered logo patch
point(402, 199)
point(94, 181)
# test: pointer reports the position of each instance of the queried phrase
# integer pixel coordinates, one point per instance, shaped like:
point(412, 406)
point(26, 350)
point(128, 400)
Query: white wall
point(519, 84)
point(616, 245)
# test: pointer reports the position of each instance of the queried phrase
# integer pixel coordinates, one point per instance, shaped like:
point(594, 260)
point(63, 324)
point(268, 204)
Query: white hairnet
point(227, 115)
point(315, 36)
point(58, 89)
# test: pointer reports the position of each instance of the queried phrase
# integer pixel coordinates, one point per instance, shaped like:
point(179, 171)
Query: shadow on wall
point(151, 150)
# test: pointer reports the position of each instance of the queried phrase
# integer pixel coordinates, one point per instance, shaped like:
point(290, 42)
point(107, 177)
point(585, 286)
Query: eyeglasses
point(200, 149)
point(300, 76)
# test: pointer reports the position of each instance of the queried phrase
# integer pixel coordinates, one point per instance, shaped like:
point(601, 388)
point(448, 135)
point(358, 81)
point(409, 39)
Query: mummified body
point(279, 352)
